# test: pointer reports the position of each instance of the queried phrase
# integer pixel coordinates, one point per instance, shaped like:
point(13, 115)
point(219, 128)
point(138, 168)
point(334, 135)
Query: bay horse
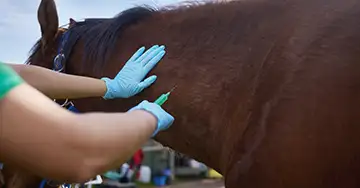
point(267, 91)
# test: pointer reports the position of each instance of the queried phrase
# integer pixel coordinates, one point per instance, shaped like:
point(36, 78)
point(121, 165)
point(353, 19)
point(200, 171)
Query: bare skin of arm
point(83, 148)
point(60, 86)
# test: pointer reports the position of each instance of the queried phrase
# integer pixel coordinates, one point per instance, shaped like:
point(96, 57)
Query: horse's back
point(303, 128)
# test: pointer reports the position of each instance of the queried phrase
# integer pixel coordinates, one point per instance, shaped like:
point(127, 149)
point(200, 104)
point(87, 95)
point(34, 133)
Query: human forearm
point(63, 146)
point(109, 140)
point(128, 82)
point(60, 86)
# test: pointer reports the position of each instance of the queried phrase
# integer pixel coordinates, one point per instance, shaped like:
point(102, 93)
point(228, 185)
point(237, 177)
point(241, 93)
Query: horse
point(267, 91)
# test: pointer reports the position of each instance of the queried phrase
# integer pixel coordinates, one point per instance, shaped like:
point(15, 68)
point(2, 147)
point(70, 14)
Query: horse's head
point(45, 49)
point(48, 52)
point(89, 42)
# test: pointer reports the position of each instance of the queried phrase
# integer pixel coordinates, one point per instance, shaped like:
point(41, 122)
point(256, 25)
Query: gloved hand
point(164, 119)
point(128, 82)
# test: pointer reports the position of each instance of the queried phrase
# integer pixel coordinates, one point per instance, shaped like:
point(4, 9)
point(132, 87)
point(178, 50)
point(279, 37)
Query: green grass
point(150, 185)
point(143, 185)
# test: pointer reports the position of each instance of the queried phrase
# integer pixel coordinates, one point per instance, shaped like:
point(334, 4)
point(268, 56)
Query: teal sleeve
point(8, 79)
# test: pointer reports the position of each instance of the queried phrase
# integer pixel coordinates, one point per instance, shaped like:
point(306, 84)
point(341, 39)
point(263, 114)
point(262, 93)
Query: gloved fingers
point(151, 55)
point(147, 82)
point(154, 61)
point(143, 56)
point(137, 54)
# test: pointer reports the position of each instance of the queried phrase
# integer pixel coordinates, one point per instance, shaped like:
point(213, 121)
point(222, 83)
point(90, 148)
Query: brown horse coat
point(267, 91)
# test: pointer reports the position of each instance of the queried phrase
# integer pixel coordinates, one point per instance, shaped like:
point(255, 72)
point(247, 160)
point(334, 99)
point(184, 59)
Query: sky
point(19, 27)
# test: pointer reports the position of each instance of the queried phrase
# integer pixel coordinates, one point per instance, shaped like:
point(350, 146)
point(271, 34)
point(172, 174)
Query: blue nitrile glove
point(164, 119)
point(128, 82)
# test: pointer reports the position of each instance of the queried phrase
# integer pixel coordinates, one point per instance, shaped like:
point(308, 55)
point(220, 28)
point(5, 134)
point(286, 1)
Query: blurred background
point(158, 166)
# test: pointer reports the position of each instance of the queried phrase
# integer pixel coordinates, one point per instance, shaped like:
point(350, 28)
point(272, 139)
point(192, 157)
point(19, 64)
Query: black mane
point(99, 35)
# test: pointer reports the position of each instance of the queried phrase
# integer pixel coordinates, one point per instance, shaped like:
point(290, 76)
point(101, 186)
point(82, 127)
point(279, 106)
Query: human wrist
point(104, 87)
point(164, 119)
point(108, 89)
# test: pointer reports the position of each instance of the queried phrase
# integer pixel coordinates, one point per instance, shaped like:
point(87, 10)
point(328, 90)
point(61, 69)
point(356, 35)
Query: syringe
point(164, 97)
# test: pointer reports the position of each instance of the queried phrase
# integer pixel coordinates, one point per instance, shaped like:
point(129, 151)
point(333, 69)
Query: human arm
point(58, 85)
point(41, 137)
point(128, 82)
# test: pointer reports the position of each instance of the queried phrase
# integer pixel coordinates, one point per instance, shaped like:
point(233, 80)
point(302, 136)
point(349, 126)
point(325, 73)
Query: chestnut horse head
point(267, 91)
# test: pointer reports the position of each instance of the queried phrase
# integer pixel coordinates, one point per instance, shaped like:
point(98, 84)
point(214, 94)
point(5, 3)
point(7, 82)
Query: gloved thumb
point(147, 82)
